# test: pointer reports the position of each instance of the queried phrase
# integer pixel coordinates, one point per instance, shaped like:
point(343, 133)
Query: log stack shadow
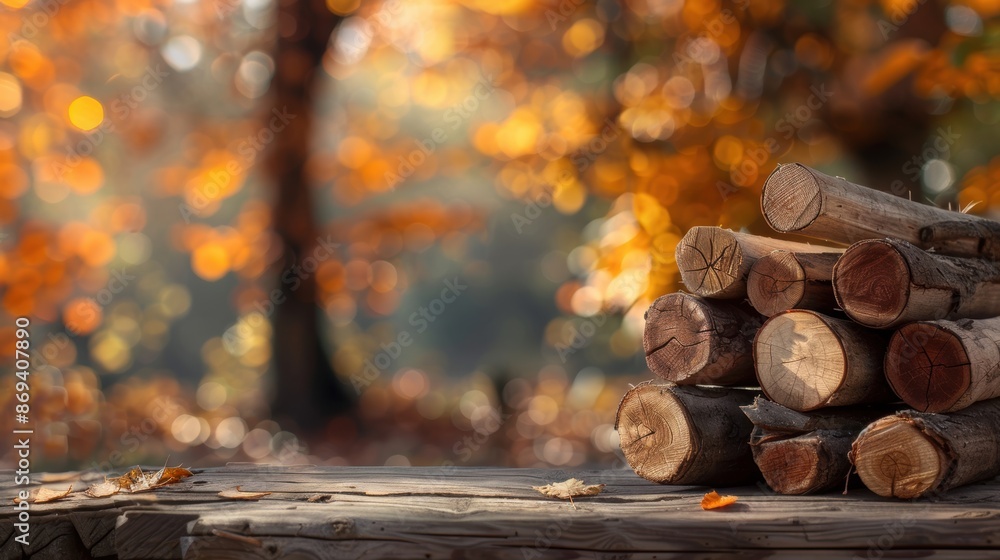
point(875, 350)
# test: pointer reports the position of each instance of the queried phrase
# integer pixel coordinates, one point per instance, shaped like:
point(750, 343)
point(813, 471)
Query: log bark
point(714, 262)
point(804, 453)
point(798, 199)
point(944, 366)
point(691, 340)
point(687, 435)
point(913, 454)
point(806, 360)
point(784, 280)
point(886, 282)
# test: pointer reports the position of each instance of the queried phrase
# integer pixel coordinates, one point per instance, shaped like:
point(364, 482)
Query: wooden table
point(389, 512)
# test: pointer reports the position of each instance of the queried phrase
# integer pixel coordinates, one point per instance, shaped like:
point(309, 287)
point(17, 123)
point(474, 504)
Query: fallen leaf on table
point(45, 495)
point(713, 500)
point(239, 494)
point(103, 489)
point(567, 489)
point(135, 480)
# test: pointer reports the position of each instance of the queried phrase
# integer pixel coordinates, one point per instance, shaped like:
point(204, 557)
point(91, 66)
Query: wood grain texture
point(687, 435)
point(913, 454)
point(885, 283)
point(784, 280)
point(450, 512)
point(944, 366)
point(715, 262)
point(806, 360)
point(691, 340)
point(799, 199)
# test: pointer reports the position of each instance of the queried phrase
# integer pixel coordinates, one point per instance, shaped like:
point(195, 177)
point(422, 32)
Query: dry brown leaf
point(239, 494)
point(103, 489)
point(135, 481)
point(45, 495)
point(567, 489)
point(713, 500)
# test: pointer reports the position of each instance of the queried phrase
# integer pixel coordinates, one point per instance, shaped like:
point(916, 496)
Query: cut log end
point(895, 459)
point(928, 367)
point(800, 361)
point(791, 198)
point(675, 349)
point(655, 433)
point(867, 281)
point(710, 261)
point(776, 283)
point(791, 467)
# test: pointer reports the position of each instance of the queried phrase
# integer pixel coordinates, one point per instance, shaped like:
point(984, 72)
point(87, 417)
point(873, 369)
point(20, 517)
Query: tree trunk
point(714, 262)
point(687, 435)
point(913, 454)
point(806, 361)
point(784, 280)
point(798, 199)
point(804, 453)
point(307, 391)
point(885, 283)
point(690, 340)
point(944, 366)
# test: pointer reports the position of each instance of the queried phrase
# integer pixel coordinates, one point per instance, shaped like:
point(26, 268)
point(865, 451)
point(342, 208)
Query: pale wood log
point(784, 280)
point(885, 283)
point(686, 435)
point(913, 454)
point(944, 366)
point(806, 360)
point(798, 199)
point(805, 453)
point(714, 262)
point(691, 340)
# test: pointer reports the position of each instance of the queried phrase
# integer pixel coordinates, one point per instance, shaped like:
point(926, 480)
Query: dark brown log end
point(677, 336)
point(791, 198)
point(790, 467)
point(928, 367)
point(656, 433)
point(895, 459)
point(709, 261)
point(776, 283)
point(872, 283)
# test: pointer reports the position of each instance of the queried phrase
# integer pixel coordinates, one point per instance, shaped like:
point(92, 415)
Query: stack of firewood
point(834, 338)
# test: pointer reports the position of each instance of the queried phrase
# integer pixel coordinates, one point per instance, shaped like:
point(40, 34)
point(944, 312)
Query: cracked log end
point(872, 283)
point(791, 198)
point(776, 283)
point(895, 459)
point(678, 336)
point(794, 466)
point(656, 433)
point(711, 263)
point(928, 367)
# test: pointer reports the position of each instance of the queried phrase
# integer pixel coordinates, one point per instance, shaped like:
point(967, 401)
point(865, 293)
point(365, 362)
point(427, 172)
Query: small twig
point(239, 538)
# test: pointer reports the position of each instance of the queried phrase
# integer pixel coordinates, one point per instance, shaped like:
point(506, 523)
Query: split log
point(913, 454)
point(806, 360)
point(944, 366)
point(884, 283)
point(691, 340)
point(687, 435)
point(784, 280)
point(714, 262)
point(798, 199)
point(804, 453)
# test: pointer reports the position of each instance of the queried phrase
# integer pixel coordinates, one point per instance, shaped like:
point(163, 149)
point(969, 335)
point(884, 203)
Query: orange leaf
point(713, 500)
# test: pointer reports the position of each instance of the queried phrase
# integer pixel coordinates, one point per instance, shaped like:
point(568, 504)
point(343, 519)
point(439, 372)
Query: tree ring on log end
point(928, 367)
point(790, 468)
point(778, 283)
point(709, 260)
point(871, 282)
point(656, 433)
point(791, 199)
point(675, 349)
point(895, 459)
point(800, 360)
